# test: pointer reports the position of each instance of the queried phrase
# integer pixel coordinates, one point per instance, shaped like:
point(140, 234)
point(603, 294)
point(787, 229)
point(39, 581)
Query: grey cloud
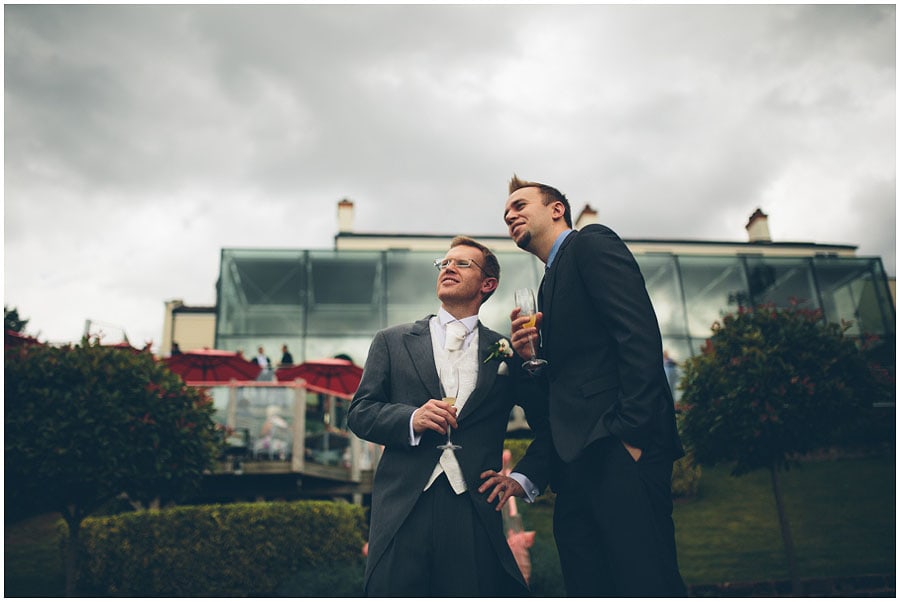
point(167, 132)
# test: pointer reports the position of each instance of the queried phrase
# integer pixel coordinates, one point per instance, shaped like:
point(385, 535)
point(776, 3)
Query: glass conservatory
point(323, 303)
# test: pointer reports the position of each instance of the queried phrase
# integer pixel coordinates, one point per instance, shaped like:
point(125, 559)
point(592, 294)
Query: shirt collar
point(557, 243)
point(445, 318)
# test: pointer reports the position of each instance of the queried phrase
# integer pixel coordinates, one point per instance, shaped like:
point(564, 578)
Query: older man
point(432, 532)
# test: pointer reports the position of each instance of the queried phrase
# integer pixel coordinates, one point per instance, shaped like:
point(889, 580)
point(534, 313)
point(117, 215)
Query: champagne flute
point(449, 389)
point(525, 302)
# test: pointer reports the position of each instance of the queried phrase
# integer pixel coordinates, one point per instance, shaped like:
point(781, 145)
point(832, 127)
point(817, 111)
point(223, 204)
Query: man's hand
point(434, 415)
point(504, 487)
point(521, 336)
point(634, 451)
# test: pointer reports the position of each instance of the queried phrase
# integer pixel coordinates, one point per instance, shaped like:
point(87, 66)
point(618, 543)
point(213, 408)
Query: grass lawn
point(842, 513)
point(33, 564)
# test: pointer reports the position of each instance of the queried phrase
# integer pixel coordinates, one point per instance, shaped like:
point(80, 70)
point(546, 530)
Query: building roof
point(705, 245)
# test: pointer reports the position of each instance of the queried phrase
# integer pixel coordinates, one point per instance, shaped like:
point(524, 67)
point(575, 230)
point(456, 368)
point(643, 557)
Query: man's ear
point(489, 285)
point(558, 210)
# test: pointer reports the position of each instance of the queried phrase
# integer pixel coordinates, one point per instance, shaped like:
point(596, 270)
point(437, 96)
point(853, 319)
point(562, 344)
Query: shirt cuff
point(414, 439)
point(531, 491)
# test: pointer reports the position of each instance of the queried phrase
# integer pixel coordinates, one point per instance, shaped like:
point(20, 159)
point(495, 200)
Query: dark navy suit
point(606, 385)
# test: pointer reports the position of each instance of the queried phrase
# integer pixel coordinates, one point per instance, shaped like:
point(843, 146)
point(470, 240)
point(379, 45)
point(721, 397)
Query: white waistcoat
point(466, 362)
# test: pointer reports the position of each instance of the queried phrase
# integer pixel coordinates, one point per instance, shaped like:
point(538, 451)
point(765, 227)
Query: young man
point(610, 408)
point(432, 533)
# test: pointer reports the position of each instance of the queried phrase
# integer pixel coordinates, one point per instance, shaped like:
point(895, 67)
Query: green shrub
point(517, 447)
point(218, 550)
point(685, 477)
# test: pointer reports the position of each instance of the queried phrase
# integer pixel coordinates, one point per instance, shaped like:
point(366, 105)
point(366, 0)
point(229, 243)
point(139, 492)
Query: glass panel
point(411, 282)
point(345, 293)
point(677, 349)
point(854, 290)
point(661, 278)
point(246, 345)
point(261, 292)
point(781, 280)
point(713, 287)
point(269, 281)
point(266, 413)
point(327, 437)
point(354, 347)
point(220, 397)
point(517, 270)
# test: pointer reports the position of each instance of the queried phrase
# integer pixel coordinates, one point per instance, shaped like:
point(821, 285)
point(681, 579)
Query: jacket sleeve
point(619, 298)
point(532, 393)
point(374, 415)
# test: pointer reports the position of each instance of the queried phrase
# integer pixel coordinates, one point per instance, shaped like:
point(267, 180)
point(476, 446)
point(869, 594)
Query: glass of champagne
point(525, 302)
point(449, 388)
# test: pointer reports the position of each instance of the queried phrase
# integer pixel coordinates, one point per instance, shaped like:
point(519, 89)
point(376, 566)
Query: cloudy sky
point(141, 140)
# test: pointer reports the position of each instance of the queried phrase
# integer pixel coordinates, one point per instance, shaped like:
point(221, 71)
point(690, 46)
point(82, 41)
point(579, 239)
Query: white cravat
point(456, 334)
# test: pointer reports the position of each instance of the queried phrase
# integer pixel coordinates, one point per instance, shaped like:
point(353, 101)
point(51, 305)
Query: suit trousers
point(441, 550)
point(613, 523)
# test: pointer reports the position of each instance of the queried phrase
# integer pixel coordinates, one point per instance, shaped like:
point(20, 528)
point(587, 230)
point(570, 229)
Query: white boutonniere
point(499, 350)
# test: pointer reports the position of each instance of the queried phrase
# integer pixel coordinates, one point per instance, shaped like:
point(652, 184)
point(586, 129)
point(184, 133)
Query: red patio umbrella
point(340, 377)
point(212, 365)
point(126, 346)
point(11, 338)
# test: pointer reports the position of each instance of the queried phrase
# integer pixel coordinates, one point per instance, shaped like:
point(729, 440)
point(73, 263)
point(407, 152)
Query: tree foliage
point(774, 382)
point(12, 321)
point(771, 383)
point(86, 423)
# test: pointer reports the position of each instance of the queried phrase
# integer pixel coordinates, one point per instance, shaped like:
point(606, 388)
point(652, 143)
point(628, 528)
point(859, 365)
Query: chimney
point(587, 217)
point(758, 227)
point(345, 215)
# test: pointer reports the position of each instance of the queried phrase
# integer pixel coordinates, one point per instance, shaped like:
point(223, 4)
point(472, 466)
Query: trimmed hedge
point(245, 549)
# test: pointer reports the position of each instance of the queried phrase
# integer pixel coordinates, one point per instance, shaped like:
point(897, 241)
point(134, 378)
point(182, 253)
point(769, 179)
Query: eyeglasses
point(443, 264)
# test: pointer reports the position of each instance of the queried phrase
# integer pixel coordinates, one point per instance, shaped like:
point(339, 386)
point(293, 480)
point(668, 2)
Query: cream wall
point(439, 244)
point(195, 331)
point(347, 240)
point(190, 327)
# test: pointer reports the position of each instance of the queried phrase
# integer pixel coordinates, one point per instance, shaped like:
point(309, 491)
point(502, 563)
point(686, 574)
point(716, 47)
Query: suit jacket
point(601, 337)
point(399, 376)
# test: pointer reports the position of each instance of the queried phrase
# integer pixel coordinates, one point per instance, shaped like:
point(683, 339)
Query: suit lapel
point(421, 354)
point(487, 373)
point(548, 289)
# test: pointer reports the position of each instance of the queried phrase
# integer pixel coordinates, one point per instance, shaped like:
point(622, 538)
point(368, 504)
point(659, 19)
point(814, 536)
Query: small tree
point(87, 423)
point(770, 384)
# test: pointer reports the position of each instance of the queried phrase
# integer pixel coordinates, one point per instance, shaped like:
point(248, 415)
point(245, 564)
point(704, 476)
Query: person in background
point(266, 374)
point(610, 408)
point(432, 533)
point(262, 359)
point(286, 358)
